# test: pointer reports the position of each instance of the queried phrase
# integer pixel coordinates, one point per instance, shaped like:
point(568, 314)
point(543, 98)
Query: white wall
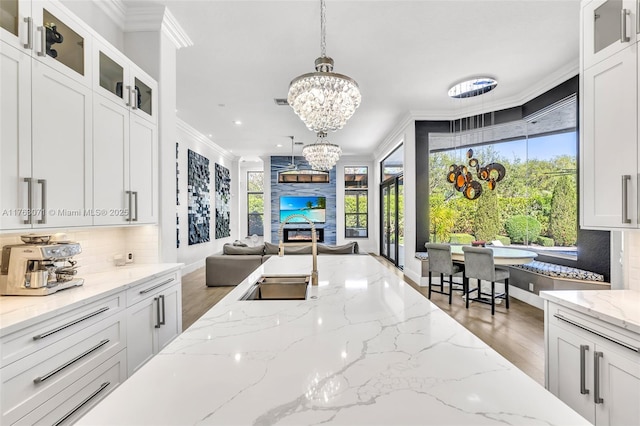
point(97, 19)
point(193, 255)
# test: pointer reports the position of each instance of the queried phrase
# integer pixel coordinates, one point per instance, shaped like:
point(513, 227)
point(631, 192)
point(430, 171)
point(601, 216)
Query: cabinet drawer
point(33, 380)
point(592, 328)
point(67, 406)
point(151, 287)
point(20, 344)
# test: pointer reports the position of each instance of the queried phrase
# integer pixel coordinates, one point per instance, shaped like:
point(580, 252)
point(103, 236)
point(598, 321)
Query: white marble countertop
point(368, 350)
point(21, 311)
point(617, 307)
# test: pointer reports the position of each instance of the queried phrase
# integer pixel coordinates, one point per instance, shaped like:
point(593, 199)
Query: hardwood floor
point(517, 335)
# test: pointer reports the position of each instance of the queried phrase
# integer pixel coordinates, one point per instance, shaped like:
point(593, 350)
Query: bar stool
point(479, 264)
point(440, 262)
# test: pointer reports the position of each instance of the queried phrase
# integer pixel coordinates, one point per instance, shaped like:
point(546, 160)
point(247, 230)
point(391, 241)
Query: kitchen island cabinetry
point(63, 353)
point(363, 348)
point(591, 364)
point(154, 318)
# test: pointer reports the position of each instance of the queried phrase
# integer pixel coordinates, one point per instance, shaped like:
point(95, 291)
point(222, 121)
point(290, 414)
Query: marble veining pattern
point(617, 307)
point(364, 348)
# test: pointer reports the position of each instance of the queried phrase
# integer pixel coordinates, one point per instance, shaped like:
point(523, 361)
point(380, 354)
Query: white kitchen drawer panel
point(18, 345)
point(582, 324)
point(31, 381)
point(67, 406)
point(149, 288)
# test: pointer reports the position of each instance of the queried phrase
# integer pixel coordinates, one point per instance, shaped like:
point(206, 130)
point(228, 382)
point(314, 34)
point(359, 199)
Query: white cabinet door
point(143, 170)
point(110, 177)
point(569, 370)
point(171, 305)
point(15, 23)
point(609, 155)
point(619, 387)
point(15, 137)
point(141, 335)
point(69, 53)
point(609, 26)
point(61, 144)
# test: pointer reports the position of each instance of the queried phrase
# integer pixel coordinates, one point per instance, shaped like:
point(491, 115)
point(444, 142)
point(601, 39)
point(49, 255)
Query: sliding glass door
point(392, 232)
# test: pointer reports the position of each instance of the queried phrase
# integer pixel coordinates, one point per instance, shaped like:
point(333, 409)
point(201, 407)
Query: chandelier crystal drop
point(324, 100)
point(322, 155)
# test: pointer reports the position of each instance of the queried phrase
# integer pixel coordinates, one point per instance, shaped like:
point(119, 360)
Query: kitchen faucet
point(314, 244)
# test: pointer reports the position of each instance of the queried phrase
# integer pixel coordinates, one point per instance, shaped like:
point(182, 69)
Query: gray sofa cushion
point(270, 248)
point(349, 248)
point(235, 250)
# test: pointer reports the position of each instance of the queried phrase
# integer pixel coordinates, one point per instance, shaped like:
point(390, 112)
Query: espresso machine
point(38, 269)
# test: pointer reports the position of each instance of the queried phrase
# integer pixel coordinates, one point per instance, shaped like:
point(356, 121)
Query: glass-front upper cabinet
point(16, 25)
point(119, 79)
point(61, 41)
point(609, 26)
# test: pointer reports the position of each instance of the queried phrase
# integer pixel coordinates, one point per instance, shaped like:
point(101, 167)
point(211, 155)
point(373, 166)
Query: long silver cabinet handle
point(29, 43)
point(638, 16)
point(128, 217)
point(128, 88)
point(597, 333)
point(43, 41)
point(147, 290)
point(62, 327)
point(43, 197)
point(161, 297)
point(623, 25)
point(583, 367)
point(135, 203)
point(158, 322)
point(596, 377)
point(79, 406)
point(625, 196)
point(29, 219)
point(70, 362)
point(134, 93)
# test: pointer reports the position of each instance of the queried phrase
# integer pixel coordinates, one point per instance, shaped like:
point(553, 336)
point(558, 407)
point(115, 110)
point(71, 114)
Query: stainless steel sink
point(278, 287)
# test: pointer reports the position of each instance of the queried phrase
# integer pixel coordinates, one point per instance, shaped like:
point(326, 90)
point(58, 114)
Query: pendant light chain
point(323, 29)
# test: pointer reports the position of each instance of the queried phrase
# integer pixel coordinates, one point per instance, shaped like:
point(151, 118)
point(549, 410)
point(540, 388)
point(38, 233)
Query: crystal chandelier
point(323, 99)
point(322, 155)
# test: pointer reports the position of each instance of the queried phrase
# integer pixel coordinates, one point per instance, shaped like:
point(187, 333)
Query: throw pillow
point(234, 250)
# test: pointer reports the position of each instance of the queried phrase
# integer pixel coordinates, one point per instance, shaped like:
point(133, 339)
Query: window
point(534, 206)
point(356, 198)
point(255, 203)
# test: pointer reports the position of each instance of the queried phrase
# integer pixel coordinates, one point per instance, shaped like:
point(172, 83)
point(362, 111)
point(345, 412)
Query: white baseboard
point(526, 297)
point(193, 267)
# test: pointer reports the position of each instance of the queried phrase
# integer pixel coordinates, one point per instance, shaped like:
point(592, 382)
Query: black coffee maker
point(53, 37)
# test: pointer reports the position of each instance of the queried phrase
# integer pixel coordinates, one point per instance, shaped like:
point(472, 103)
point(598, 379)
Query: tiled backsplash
point(631, 268)
point(100, 245)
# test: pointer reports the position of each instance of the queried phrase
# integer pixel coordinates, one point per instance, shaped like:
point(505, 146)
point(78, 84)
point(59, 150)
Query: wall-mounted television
point(311, 207)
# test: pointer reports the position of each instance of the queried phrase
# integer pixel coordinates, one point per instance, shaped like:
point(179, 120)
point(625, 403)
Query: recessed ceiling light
point(237, 122)
point(279, 145)
point(210, 135)
point(474, 87)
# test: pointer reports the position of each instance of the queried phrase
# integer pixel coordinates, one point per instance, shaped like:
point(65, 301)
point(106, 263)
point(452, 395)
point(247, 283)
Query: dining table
point(501, 255)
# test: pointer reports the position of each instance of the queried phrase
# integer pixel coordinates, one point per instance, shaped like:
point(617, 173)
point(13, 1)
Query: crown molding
point(172, 29)
point(393, 137)
point(199, 137)
point(115, 10)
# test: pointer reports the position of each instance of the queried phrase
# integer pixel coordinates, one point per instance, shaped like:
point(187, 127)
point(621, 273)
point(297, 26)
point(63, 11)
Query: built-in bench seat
point(560, 271)
point(537, 276)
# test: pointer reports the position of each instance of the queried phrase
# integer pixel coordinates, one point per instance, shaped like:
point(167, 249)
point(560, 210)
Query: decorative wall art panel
point(199, 204)
point(223, 198)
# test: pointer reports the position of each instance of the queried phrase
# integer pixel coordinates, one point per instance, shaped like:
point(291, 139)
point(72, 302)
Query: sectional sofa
point(236, 262)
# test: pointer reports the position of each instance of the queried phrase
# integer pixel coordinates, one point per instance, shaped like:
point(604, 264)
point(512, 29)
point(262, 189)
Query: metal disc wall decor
point(462, 178)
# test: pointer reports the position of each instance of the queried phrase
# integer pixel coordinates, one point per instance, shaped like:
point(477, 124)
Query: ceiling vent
point(281, 101)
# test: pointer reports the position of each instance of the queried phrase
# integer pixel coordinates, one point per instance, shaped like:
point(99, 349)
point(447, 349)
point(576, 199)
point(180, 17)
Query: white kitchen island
point(364, 348)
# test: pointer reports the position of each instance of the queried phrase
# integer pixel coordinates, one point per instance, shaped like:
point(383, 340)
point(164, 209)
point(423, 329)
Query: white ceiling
point(404, 55)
